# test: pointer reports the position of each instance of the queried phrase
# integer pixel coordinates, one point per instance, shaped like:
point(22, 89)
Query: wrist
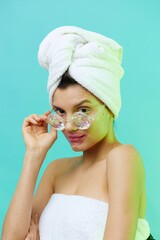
point(36, 152)
point(35, 158)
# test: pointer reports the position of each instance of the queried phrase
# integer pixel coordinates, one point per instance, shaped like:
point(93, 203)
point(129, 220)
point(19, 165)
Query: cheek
point(99, 130)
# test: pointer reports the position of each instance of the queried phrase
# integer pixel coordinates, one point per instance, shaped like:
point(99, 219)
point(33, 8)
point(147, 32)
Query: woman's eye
point(59, 111)
point(84, 110)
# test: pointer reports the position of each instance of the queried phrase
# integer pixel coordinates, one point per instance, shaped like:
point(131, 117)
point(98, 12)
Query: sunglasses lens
point(81, 120)
point(56, 121)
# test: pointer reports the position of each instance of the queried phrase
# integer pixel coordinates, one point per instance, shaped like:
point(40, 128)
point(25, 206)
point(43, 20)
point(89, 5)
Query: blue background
point(135, 25)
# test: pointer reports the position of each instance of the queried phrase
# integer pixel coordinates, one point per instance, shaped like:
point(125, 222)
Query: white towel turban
point(93, 60)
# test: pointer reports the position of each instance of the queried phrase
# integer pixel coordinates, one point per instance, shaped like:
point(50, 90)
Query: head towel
point(92, 59)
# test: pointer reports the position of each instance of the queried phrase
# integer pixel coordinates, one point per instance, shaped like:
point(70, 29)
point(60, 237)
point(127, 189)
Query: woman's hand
point(33, 233)
point(35, 133)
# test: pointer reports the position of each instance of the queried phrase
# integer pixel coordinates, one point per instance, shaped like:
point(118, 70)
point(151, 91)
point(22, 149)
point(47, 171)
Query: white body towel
point(75, 217)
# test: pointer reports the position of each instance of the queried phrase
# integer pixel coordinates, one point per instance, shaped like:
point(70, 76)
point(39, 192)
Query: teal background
point(135, 25)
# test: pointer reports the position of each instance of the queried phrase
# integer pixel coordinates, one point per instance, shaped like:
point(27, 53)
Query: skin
point(100, 136)
point(33, 232)
point(119, 167)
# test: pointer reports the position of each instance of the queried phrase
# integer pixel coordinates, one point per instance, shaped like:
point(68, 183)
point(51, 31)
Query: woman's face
point(68, 101)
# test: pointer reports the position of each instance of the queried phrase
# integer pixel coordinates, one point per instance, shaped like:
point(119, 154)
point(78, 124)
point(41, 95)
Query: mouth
point(73, 139)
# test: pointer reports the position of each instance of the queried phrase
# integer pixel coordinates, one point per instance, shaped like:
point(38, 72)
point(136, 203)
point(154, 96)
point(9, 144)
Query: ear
point(111, 117)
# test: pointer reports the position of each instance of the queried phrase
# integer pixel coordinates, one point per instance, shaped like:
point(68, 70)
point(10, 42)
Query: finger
point(36, 218)
point(28, 237)
point(47, 113)
point(36, 117)
point(34, 234)
point(31, 224)
point(43, 118)
point(38, 236)
point(29, 120)
point(42, 121)
point(35, 120)
point(36, 221)
point(39, 118)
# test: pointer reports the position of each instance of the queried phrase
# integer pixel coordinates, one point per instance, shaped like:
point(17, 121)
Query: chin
point(80, 147)
point(77, 148)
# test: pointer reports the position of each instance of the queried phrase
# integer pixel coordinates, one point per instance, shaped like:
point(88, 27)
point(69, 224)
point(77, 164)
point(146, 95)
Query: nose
point(70, 126)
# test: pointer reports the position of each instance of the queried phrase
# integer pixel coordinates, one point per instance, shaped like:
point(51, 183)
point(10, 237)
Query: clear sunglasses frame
point(80, 120)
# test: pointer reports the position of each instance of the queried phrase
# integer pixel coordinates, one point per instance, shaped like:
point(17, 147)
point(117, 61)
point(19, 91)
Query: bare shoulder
point(125, 160)
point(125, 152)
point(57, 166)
point(46, 186)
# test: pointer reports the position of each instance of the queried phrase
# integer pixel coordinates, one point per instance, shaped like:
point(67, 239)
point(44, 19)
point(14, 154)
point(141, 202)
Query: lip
point(76, 138)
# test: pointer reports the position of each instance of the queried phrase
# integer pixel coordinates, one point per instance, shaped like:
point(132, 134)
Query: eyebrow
point(83, 101)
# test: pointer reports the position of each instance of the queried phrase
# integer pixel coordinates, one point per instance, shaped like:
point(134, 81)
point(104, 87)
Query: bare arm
point(18, 217)
point(43, 194)
point(125, 176)
point(38, 141)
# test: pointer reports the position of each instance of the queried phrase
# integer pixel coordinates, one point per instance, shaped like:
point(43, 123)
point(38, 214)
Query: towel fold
point(143, 230)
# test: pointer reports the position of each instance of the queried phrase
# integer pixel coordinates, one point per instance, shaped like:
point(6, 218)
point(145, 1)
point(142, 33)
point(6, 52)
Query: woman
point(101, 194)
